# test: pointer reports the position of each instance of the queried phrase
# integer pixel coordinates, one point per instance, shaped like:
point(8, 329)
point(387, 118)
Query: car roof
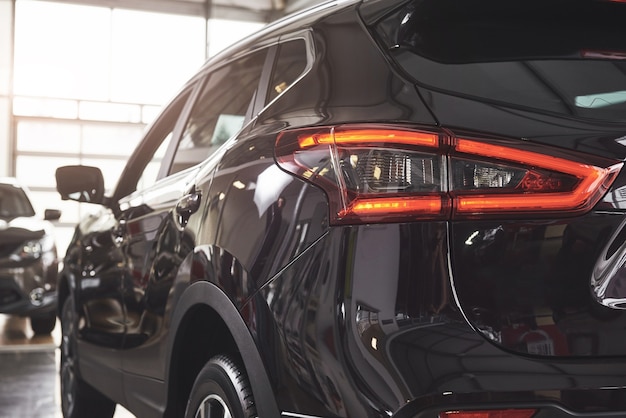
point(281, 26)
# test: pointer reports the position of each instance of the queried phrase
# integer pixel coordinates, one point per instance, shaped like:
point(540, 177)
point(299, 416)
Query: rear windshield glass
point(563, 57)
point(588, 89)
point(14, 203)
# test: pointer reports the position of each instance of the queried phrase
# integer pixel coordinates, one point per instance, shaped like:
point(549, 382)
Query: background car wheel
point(78, 399)
point(221, 390)
point(43, 324)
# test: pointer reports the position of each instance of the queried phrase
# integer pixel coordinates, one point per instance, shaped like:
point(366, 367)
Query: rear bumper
point(556, 404)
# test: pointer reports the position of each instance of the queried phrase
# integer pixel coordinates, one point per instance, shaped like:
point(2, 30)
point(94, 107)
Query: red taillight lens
point(499, 413)
point(526, 181)
point(382, 174)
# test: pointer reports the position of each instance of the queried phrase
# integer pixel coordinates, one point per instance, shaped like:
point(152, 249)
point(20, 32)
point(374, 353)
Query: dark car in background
point(386, 208)
point(28, 258)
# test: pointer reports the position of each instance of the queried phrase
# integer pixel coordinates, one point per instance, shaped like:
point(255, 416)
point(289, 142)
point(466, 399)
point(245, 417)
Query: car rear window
point(587, 89)
point(563, 57)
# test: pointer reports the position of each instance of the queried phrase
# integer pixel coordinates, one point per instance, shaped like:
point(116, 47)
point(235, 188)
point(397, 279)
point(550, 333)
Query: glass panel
point(70, 212)
point(53, 137)
point(60, 50)
point(224, 32)
point(110, 139)
point(150, 173)
point(289, 66)
point(149, 113)
point(221, 110)
point(5, 141)
point(40, 171)
point(154, 54)
point(6, 35)
point(95, 53)
point(114, 112)
point(50, 108)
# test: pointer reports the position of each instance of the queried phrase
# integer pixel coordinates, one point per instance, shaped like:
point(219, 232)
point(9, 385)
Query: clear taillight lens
point(383, 173)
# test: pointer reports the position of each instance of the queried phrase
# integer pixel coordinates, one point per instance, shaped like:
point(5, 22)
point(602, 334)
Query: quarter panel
point(261, 215)
point(366, 324)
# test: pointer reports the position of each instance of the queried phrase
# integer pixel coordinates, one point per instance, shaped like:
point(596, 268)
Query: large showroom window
point(87, 80)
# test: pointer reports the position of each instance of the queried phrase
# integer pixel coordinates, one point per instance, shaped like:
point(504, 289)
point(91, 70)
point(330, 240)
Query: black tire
point(221, 390)
point(78, 399)
point(43, 324)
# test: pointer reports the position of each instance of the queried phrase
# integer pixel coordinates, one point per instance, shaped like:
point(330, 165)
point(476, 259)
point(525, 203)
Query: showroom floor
point(29, 385)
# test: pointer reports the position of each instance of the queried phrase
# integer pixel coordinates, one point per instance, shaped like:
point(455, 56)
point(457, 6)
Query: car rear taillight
point(385, 173)
point(496, 413)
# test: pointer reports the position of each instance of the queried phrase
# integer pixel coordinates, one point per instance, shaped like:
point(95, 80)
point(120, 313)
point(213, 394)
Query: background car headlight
point(30, 250)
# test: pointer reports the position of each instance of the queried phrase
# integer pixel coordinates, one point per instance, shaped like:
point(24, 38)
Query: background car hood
point(22, 229)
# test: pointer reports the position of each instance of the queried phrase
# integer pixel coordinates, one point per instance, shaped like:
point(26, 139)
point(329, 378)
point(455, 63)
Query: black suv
point(386, 208)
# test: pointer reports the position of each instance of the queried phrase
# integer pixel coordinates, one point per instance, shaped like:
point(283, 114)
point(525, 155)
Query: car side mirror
point(80, 183)
point(52, 215)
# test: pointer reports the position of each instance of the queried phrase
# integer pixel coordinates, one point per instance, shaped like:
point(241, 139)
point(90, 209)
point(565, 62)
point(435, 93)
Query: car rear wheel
point(221, 390)
point(43, 324)
point(78, 399)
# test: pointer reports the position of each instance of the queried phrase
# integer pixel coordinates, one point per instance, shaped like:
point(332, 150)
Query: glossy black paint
point(235, 255)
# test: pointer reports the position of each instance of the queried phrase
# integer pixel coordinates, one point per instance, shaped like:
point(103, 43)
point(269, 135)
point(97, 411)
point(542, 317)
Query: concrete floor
point(29, 383)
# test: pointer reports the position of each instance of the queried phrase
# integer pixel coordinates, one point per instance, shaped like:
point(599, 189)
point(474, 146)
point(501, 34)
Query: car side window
point(224, 106)
point(143, 167)
point(151, 171)
point(290, 65)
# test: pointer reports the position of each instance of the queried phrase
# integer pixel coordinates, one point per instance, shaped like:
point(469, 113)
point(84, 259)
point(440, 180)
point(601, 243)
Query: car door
point(99, 260)
point(160, 227)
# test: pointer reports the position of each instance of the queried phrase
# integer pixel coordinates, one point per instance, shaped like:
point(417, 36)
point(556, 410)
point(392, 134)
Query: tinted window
point(223, 107)
point(290, 64)
point(145, 165)
point(523, 53)
point(13, 202)
point(590, 89)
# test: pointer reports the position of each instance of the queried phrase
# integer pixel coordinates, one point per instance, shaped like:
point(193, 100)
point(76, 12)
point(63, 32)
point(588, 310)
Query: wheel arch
point(205, 302)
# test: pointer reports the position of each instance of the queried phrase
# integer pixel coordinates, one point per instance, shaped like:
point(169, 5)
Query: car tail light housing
point(383, 173)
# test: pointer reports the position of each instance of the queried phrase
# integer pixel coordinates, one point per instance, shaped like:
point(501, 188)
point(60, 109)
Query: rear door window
point(225, 104)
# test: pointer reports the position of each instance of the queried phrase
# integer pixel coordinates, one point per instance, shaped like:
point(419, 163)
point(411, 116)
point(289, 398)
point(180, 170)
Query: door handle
point(187, 206)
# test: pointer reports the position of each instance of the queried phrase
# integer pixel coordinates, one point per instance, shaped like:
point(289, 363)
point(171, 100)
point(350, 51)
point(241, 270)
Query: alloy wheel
point(213, 406)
